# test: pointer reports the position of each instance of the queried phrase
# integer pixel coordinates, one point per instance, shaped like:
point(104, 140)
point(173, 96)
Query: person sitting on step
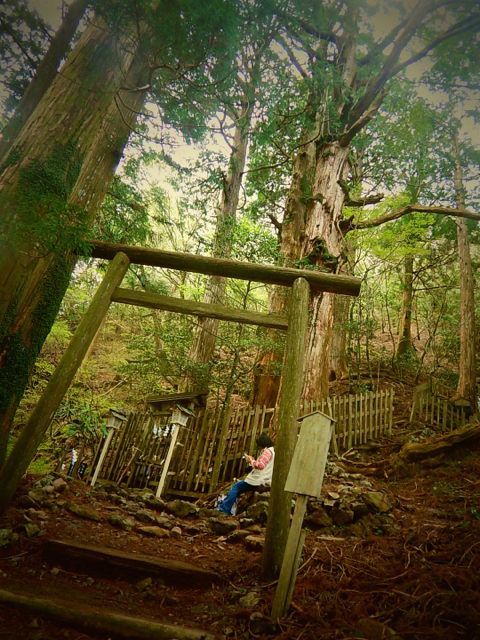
point(260, 475)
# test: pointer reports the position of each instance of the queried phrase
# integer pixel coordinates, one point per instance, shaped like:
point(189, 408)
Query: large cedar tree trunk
point(466, 388)
point(44, 74)
point(323, 247)
point(338, 348)
point(90, 128)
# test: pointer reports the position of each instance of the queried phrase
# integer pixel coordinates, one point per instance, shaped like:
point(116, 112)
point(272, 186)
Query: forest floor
point(411, 571)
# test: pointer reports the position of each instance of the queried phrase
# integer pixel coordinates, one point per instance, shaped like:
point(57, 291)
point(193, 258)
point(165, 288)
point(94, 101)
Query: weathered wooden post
point(115, 420)
point(305, 478)
point(40, 418)
point(288, 412)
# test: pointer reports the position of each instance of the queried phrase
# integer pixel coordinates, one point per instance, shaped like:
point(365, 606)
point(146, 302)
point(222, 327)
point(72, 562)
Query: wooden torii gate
point(121, 256)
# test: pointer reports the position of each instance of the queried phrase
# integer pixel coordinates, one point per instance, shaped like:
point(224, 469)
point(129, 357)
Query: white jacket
point(258, 477)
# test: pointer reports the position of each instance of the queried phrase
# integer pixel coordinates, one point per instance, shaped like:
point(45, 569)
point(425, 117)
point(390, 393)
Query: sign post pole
point(305, 478)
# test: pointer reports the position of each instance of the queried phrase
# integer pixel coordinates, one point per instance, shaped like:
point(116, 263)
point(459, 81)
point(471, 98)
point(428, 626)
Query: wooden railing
point(432, 406)
point(210, 448)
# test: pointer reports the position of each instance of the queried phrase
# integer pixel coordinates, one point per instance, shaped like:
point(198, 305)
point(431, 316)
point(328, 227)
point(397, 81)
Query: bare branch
point(414, 208)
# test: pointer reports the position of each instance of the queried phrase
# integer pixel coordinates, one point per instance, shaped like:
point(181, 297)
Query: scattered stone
point(123, 522)
point(35, 514)
point(258, 511)
point(59, 485)
point(84, 511)
point(249, 600)
point(26, 502)
point(360, 510)
point(256, 528)
point(156, 504)
point(223, 525)
point(333, 495)
point(164, 521)
point(246, 522)
point(329, 503)
point(342, 516)
point(176, 532)
point(144, 585)
point(377, 502)
point(31, 529)
point(7, 536)
point(205, 512)
point(238, 535)
point(144, 515)
point(260, 496)
point(260, 625)
point(255, 542)
point(194, 529)
point(42, 482)
point(37, 496)
point(319, 518)
point(157, 532)
point(181, 508)
point(54, 571)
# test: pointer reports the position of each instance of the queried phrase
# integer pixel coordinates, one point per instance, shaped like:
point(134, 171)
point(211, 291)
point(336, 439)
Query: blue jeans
point(238, 488)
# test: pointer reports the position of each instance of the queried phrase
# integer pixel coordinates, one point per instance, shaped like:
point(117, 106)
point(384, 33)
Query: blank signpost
point(305, 478)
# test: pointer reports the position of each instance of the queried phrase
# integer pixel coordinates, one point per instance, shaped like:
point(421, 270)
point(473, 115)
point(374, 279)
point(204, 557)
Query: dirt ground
point(413, 574)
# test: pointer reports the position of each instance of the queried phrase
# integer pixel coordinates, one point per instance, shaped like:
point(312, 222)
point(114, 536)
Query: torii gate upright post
point(33, 432)
point(280, 507)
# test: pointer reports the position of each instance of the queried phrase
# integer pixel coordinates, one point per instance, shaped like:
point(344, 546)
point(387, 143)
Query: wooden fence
point(209, 450)
point(432, 406)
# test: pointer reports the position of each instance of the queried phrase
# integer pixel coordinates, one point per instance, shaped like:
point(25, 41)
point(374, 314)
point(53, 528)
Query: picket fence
point(432, 406)
point(209, 450)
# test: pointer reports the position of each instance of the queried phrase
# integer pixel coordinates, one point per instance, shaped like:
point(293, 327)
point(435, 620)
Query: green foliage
point(41, 202)
point(81, 416)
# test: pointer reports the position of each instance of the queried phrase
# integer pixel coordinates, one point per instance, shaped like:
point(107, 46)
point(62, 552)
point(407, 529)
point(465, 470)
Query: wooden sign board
point(310, 456)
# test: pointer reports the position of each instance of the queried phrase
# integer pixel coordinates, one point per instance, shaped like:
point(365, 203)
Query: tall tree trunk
point(96, 124)
point(44, 75)
point(341, 316)
point(338, 349)
point(324, 247)
point(466, 387)
point(205, 336)
point(267, 376)
point(405, 344)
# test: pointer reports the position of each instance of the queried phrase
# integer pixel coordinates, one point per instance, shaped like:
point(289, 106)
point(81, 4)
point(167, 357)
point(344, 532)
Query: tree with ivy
point(62, 161)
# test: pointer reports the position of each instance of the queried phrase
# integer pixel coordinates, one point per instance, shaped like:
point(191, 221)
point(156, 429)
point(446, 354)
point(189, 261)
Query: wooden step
point(115, 563)
point(100, 619)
